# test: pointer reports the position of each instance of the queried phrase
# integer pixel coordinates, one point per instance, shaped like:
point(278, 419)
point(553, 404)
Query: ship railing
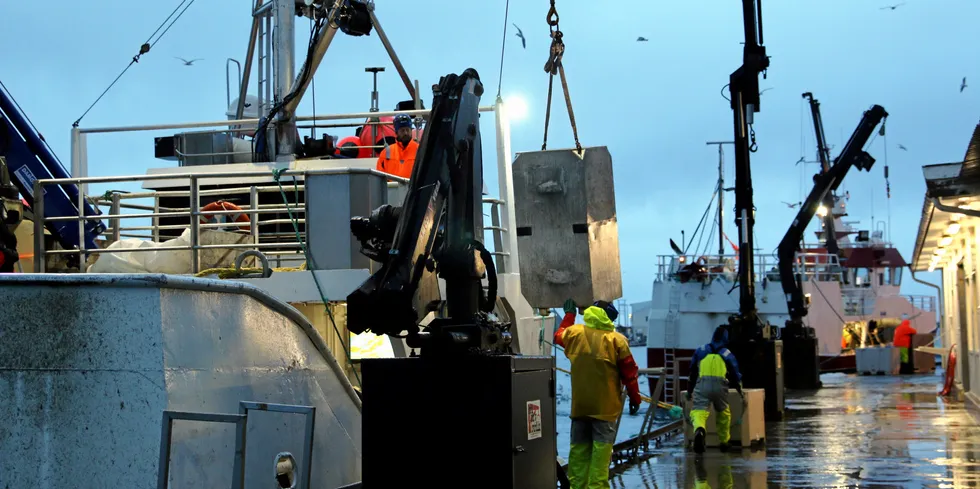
point(810, 266)
point(925, 303)
point(145, 209)
point(282, 244)
point(499, 209)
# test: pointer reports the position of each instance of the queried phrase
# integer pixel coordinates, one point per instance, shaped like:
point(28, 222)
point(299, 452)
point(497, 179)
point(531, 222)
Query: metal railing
point(812, 266)
point(281, 245)
point(192, 213)
point(926, 303)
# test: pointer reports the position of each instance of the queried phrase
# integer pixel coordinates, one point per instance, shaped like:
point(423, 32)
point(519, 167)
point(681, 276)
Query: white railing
point(822, 267)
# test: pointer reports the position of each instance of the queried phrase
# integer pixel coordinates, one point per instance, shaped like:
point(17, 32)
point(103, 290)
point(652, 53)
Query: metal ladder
point(264, 44)
point(670, 338)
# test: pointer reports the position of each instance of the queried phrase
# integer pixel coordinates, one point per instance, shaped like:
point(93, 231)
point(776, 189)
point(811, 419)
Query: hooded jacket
point(717, 346)
point(601, 363)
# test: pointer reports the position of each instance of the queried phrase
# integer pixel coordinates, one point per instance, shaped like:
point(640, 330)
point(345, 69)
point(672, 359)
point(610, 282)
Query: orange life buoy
point(221, 205)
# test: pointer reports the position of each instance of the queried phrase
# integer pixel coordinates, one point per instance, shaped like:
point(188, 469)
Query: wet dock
point(874, 432)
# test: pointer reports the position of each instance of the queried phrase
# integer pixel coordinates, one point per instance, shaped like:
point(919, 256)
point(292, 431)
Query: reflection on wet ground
point(869, 432)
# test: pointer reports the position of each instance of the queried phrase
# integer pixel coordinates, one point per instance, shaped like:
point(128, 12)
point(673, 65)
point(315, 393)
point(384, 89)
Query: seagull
point(962, 84)
point(903, 148)
point(520, 34)
point(188, 63)
point(892, 7)
point(641, 39)
point(791, 206)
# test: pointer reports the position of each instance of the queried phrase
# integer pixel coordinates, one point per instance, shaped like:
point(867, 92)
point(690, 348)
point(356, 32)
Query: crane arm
point(437, 226)
point(853, 154)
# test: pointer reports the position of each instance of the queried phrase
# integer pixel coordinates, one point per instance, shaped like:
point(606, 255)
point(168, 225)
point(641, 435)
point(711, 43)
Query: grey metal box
point(331, 201)
point(567, 234)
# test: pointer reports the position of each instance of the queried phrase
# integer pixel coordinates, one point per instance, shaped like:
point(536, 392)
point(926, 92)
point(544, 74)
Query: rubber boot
point(724, 447)
point(699, 436)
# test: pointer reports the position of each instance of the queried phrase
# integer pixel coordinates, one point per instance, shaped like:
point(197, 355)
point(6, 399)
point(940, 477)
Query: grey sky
point(654, 104)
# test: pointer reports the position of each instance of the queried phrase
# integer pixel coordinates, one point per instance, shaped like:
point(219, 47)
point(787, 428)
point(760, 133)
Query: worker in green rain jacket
point(601, 365)
point(713, 370)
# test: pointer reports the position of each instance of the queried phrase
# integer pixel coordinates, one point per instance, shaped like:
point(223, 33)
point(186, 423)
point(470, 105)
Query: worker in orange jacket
point(601, 364)
point(398, 159)
point(903, 341)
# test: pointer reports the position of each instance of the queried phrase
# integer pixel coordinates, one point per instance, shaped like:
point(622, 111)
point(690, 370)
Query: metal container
point(879, 360)
point(331, 202)
point(567, 234)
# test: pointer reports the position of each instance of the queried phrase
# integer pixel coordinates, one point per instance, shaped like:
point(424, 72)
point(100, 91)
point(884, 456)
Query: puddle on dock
point(868, 432)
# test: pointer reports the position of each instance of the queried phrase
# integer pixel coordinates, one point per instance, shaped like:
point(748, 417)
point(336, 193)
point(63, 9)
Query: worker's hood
point(720, 339)
point(596, 318)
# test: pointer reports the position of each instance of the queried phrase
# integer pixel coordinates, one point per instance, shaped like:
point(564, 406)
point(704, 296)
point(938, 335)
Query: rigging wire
point(313, 78)
point(888, 187)
point(700, 223)
point(503, 44)
point(144, 48)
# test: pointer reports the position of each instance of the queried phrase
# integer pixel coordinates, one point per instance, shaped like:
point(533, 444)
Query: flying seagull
point(903, 148)
point(963, 84)
point(892, 7)
point(641, 39)
point(791, 206)
point(188, 63)
point(520, 34)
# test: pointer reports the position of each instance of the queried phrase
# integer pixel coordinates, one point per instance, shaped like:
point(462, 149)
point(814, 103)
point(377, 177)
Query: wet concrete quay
point(858, 431)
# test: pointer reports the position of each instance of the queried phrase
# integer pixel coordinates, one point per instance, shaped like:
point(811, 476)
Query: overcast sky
point(654, 104)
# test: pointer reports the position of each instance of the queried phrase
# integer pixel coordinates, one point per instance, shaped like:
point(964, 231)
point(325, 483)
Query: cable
point(145, 48)
point(722, 91)
point(503, 44)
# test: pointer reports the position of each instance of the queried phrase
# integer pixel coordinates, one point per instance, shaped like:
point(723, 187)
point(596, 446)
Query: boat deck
point(855, 432)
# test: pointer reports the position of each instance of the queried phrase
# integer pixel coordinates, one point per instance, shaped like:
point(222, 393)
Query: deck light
point(946, 241)
point(954, 227)
point(940, 251)
point(822, 211)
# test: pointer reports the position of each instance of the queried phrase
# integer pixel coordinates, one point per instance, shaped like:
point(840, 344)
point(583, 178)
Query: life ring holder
point(222, 205)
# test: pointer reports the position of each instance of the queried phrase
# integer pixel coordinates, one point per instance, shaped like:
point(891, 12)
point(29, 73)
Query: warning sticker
point(27, 179)
point(533, 420)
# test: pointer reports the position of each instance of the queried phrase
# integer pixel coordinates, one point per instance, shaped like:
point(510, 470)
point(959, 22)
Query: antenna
point(721, 193)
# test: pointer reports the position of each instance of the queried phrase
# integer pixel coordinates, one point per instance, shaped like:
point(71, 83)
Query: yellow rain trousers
point(712, 390)
point(590, 453)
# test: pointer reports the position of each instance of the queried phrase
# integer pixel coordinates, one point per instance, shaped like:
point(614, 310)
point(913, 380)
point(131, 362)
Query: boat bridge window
point(862, 277)
point(896, 276)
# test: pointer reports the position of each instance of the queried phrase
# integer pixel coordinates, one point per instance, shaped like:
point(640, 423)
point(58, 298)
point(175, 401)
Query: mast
point(721, 193)
point(823, 154)
point(285, 67)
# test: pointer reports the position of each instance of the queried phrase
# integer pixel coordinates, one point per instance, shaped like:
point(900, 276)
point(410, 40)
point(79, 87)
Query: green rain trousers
point(712, 390)
point(590, 453)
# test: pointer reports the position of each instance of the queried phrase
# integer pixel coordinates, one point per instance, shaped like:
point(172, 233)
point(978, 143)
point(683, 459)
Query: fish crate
point(880, 360)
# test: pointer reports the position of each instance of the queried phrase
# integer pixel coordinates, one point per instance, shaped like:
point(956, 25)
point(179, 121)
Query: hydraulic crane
point(800, 342)
point(752, 341)
point(466, 379)
point(823, 153)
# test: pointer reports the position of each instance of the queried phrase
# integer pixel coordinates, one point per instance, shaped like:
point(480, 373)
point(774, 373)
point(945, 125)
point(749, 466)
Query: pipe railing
point(116, 230)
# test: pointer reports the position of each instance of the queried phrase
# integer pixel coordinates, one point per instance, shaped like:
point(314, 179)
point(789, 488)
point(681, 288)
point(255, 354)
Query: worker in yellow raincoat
point(713, 370)
point(601, 364)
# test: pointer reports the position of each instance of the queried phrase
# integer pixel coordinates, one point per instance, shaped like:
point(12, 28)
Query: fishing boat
point(692, 292)
point(214, 292)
